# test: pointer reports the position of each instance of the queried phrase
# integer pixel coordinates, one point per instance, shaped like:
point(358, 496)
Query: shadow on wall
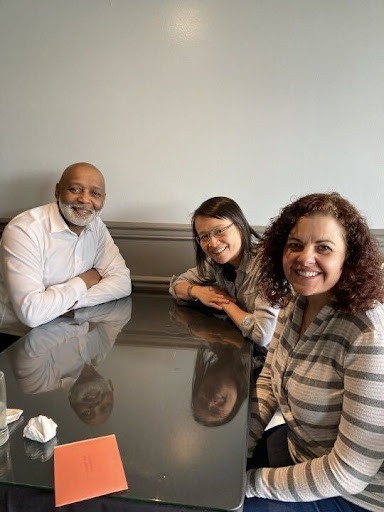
point(33, 188)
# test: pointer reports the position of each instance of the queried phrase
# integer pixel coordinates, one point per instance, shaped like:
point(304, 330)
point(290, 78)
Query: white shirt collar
point(58, 224)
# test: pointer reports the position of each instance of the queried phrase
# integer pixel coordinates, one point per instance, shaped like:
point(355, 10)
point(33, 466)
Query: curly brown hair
point(361, 283)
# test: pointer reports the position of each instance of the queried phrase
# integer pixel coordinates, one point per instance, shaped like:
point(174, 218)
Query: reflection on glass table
point(153, 373)
point(220, 382)
point(65, 353)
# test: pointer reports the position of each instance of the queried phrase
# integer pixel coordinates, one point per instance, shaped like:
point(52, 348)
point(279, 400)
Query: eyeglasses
point(217, 233)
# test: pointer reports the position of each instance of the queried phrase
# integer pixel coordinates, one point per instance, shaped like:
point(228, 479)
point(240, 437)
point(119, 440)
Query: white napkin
point(40, 429)
point(13, 415)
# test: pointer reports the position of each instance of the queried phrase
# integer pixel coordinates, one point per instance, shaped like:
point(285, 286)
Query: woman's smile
point(314, 255)
point(225, 247)
point(307, 273)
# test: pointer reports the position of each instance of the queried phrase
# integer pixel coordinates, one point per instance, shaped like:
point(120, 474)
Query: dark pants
point(329, 505)
point(272, 451)
point(6, 340)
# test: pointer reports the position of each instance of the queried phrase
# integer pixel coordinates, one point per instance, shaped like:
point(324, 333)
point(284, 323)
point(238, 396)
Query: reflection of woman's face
point(215, 398)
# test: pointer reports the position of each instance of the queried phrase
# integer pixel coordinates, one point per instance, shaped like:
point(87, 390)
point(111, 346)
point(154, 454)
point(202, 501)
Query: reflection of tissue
point(40, 429)
point(38, 451)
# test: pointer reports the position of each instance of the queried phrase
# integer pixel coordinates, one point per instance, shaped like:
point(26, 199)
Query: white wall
point(179, 100)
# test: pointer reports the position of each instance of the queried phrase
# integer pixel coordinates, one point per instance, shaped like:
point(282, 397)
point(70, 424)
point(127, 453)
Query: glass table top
point(171, 382)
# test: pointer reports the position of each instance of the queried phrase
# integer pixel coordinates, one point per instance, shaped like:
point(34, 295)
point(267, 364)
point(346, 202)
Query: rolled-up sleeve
point(190, 276)
point(260, 325)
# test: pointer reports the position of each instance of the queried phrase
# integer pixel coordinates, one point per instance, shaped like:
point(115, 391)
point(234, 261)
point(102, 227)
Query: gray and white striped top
point(329, 384)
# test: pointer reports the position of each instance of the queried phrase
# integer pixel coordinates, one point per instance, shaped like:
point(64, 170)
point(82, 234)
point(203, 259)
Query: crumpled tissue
point(13, 415)
point(40, 429)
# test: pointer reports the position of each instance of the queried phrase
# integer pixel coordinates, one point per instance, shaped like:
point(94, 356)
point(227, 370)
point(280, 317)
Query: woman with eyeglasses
point(225, 276)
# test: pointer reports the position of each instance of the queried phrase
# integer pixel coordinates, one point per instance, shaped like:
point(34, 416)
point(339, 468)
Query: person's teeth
point(307, 274)
point(84, 210)
point(218, 251)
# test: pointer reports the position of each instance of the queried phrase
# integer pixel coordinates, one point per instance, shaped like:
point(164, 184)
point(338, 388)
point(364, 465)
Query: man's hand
point(90, 277)
point(211, 296)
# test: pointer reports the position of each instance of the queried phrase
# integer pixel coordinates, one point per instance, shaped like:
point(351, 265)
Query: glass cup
point(4, 434)
point(6, 473)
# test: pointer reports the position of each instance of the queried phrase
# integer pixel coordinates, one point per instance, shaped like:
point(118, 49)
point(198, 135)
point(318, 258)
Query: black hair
point(214, 360)
point(223, 208)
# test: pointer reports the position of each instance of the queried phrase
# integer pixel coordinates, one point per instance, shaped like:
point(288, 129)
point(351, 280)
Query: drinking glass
point(4, 434)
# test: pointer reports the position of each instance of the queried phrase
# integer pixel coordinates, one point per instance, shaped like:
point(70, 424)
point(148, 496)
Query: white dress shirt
point(53, 355)
point(41, 259)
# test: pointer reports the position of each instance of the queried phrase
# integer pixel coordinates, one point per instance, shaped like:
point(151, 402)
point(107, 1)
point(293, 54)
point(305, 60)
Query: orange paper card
point(87, 469)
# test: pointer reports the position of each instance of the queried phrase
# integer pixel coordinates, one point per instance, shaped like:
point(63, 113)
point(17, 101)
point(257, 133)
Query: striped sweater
point(329, 385)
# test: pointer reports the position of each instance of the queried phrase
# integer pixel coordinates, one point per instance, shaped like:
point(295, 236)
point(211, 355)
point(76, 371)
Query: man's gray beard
point(70, 216)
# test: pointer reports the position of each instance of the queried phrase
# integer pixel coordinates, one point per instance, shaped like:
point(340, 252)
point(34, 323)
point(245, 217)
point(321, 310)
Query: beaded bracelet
point(189, 292)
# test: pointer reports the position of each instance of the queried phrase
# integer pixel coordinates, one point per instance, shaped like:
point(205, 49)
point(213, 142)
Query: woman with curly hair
point(225, 276)
point(325, 364)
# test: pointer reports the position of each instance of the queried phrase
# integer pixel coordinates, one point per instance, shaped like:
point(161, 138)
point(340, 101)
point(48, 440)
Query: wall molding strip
point(156, 251)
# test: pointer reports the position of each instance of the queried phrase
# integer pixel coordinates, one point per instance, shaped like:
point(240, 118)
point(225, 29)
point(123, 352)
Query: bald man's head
point(82, 168)
point(91, 397)
point(80, 194)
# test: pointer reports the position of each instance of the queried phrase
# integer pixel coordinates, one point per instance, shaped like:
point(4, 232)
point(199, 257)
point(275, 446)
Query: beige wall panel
point(155, 252)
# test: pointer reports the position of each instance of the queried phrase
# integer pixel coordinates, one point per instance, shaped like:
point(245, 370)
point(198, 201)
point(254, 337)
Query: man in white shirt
point(60, 256)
